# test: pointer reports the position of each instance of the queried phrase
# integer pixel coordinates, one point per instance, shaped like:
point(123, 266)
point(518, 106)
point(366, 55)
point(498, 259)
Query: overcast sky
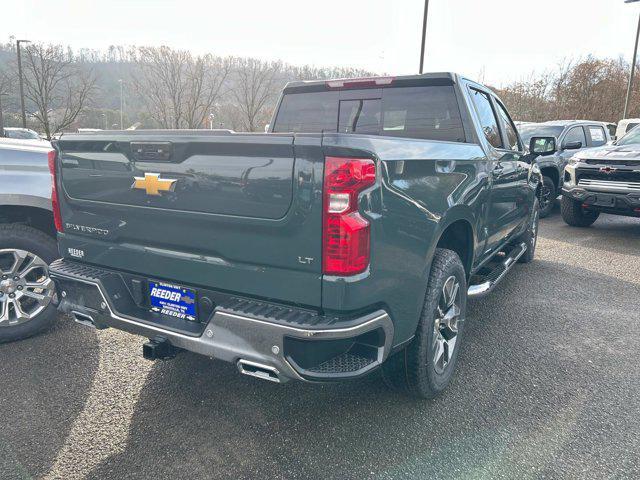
point(496, 41)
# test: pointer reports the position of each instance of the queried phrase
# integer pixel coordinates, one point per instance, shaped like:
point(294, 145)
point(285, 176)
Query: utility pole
point(424, 33)
point(633, 67)
point(24, 115)
point(121, 106)
point(1, 119)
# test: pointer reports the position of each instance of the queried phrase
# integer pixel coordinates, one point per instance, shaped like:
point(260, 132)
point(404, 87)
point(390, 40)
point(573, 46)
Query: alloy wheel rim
point(445, 328)
point(25, 286)
point(534, 229)
point(545, 194)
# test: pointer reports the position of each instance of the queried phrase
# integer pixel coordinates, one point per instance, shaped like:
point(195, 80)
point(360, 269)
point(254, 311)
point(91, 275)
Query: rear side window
point(597, 136)
point(429, 113)
point(510, 129)
point(487, 116)
point(308, 113)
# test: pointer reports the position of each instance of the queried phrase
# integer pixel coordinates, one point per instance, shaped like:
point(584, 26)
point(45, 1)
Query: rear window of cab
point(427, 112)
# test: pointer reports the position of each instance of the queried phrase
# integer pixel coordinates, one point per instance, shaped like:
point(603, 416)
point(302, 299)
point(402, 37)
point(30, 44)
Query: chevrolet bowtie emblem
point(153, 184)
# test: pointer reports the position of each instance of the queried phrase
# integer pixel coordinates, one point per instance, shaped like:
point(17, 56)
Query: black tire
point(547, 196)
point(530, 237)
point(573, 214)
point(22, 237)
point(414, 369)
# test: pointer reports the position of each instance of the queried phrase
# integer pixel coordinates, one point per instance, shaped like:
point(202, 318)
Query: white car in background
point(625, 126)
point(25, 135)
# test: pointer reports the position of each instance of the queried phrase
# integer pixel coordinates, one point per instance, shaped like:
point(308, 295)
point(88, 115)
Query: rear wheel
point(425, 367)
point(26, 291)
point(576, 216)
point(547, 196)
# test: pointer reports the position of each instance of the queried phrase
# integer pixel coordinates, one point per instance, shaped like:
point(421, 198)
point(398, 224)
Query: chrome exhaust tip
point(258, 370)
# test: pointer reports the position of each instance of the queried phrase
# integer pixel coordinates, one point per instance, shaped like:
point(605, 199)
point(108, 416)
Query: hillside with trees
point(167, 88)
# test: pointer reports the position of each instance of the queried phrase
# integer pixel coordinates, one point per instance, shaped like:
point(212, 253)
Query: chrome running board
point(488, 282)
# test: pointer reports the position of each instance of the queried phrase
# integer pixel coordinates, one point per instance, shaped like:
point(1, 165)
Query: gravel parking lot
point(548, 386)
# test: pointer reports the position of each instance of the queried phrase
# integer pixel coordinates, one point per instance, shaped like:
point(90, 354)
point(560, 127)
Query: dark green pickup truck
point(347, 238)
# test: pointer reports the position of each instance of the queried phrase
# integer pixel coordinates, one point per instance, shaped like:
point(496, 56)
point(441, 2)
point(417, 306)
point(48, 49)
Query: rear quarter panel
point(424, 186)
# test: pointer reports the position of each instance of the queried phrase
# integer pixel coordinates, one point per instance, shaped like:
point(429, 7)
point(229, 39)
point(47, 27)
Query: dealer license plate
point(173, 300)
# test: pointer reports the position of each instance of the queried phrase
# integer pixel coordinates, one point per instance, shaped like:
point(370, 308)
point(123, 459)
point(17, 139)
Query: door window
point(487, 116)
point(597, 136)
point(576, 134)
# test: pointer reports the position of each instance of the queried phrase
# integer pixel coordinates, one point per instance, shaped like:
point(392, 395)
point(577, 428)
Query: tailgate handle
point(151, 151)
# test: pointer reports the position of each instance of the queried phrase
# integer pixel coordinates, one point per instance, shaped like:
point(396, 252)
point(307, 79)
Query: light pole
point(24, 115)
point(1, 119)
point(424, 33)
point(105, 121)
point(121, 106)
point(633, 66)
point(211, 118)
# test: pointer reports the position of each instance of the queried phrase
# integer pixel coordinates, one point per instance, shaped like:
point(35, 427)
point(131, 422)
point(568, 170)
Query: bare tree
point(57, 85)
point(179, 90)
point(255, 88)
point(528, 100)
point(588, 89)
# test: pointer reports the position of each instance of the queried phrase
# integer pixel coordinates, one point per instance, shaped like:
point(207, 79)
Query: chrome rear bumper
point(315, 353)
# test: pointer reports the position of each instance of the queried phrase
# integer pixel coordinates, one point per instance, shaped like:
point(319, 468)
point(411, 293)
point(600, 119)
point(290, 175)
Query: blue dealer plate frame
point(173, 300)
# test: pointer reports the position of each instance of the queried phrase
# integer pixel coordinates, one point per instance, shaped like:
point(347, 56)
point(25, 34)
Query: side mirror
point(543, 145)
point(572, 146)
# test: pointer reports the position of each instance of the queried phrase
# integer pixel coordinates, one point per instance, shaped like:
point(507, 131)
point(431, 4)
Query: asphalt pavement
point(548, 386)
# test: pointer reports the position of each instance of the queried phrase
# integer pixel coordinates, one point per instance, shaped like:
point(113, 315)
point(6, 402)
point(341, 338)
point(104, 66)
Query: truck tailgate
point(232, 212)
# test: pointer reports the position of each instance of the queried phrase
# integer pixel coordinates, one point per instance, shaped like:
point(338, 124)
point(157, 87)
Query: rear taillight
point(346, 234)
point(57, 218)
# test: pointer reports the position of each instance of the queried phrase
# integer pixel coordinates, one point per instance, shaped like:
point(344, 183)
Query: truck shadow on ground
point(531, 372)
point(44, 384)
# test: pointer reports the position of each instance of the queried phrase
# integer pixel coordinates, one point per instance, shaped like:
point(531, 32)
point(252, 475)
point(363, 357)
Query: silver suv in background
point(570, 136)
point(27, 239)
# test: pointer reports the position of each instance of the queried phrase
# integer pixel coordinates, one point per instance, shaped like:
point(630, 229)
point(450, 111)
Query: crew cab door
point(574, 134)
point(507, 200)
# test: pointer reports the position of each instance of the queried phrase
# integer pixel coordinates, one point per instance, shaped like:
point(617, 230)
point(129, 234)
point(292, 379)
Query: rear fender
point(451, 216)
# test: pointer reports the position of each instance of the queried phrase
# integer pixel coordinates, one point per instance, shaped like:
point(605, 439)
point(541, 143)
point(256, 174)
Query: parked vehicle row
point(571, 136)
point(603, 178)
